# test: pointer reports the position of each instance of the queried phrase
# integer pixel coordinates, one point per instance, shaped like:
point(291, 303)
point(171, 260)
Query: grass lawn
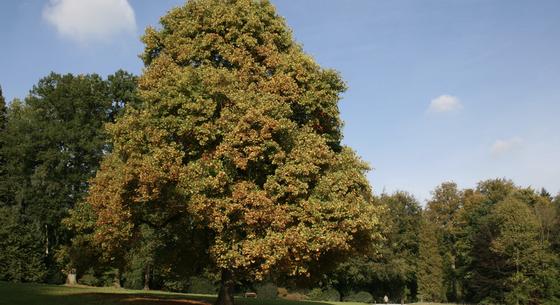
point(40, 294)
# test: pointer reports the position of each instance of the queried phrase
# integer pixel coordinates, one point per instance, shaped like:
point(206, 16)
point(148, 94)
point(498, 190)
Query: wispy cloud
point(445, 103)
point(90, 20)
point(501, 147)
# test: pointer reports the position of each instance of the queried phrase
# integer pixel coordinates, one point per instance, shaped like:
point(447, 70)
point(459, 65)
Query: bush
point(108, 278)
point(133, 278)
point(295, 296)
point(331, 294)
point(89, 278)
point(362, 297)
point(21, 249)
point(282, 292)
point(176, 285)
point(201, 285)
point(267, 291)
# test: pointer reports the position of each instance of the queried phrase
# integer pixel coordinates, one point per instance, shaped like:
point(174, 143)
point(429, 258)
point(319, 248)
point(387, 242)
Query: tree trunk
point(47, 239)
point(71, 278)
point(454, 293)
point(147, 278)
point(225, 296)
point(117, 279)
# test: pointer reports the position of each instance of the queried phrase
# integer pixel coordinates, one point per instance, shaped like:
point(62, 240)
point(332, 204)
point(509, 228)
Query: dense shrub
point(89, 278)
point(329, 294)
point(21, 248)
point(282, 292)
point(100, 278)
point(108, 278)
point(176, 285)
point(133, 278)
point(362, 297)
point(202, 285)
point(267, 291)
point(295, 296)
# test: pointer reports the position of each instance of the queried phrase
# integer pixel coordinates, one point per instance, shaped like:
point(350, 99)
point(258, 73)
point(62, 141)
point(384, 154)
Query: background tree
point(519, 256)
point(546, 213)
point(53, 144)
point(555, 241)
point(392, 269)
point(477, 204)
point(240, 131)
point(492, 215)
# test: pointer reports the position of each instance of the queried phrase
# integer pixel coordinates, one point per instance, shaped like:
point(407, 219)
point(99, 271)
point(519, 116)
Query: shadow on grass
point(136, 299)
point(40, 294)
point(100, 298)
point(107, 298)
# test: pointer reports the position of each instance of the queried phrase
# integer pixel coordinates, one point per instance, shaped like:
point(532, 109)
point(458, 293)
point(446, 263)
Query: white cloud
point(445, 103)
point(90, 20)
point(501, 147)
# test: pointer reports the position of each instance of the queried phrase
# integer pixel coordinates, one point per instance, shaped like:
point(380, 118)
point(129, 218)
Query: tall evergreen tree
point(398, 266)
point(240, 132)
point(442, 210)
point(3, 111)
point(3, 122)
point(430, 273)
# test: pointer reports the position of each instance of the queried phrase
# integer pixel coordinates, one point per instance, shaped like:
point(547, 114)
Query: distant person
point(386, 299)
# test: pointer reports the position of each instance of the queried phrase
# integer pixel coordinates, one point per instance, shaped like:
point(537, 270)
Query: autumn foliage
point(240, 134)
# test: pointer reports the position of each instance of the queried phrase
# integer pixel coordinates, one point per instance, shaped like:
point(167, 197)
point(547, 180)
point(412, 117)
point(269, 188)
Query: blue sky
point(438, 90)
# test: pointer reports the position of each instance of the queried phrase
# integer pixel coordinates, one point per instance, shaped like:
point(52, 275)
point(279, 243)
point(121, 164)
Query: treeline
point(497, 243)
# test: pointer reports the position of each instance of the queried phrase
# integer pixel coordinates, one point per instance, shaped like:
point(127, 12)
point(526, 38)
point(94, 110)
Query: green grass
point(40, 294)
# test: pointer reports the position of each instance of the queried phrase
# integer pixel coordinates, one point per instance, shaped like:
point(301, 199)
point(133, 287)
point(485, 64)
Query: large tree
point(240, 132)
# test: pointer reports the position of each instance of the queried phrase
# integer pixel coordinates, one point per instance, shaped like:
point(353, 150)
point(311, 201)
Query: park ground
point(40, 294)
